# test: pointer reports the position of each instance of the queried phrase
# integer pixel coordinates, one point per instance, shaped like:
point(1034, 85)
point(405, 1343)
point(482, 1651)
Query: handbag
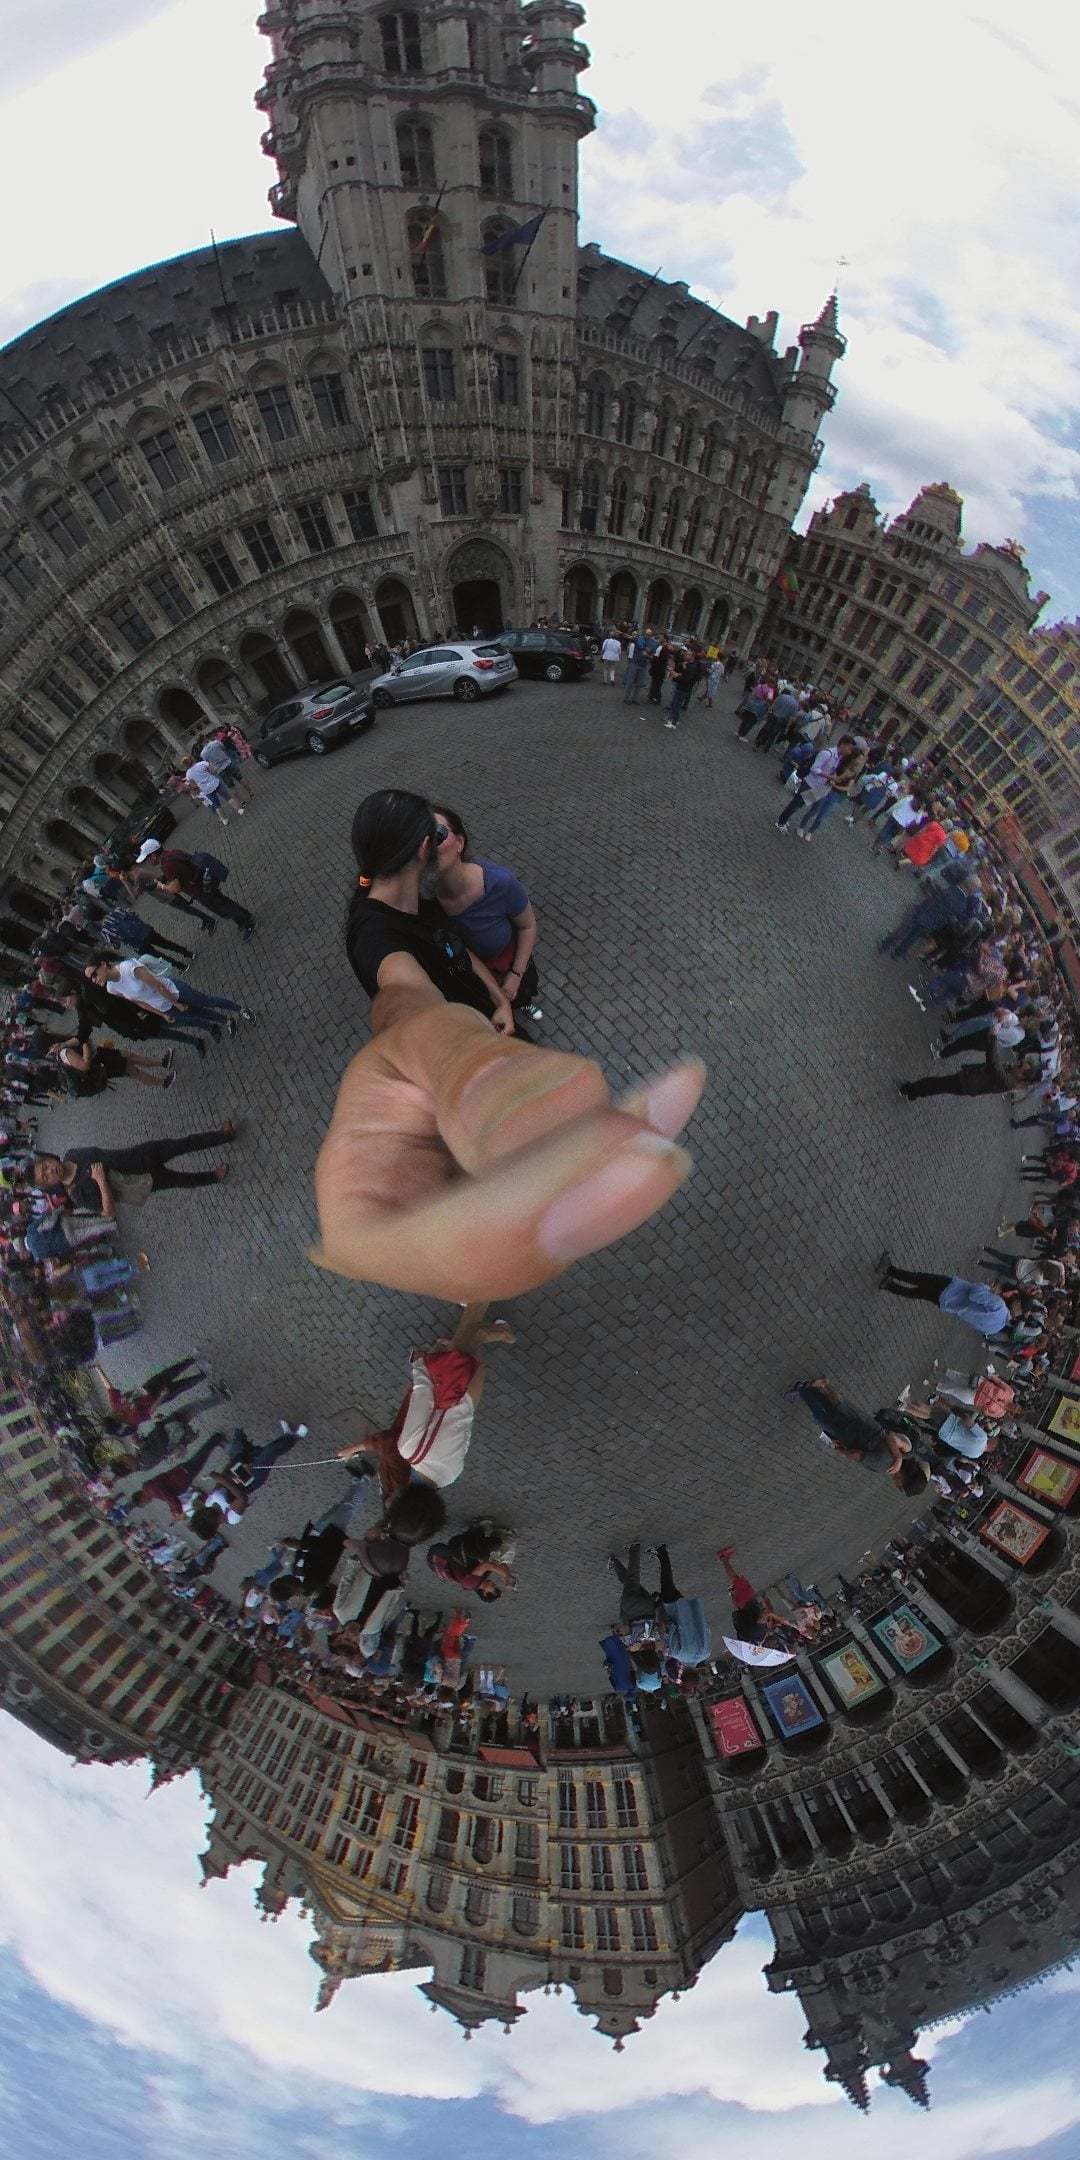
point(132, 1187)
point(994, 1397)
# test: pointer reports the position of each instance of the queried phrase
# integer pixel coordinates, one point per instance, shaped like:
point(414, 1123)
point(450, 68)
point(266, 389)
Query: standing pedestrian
point(688, 671)
point(610, 656)
point(974, 1303)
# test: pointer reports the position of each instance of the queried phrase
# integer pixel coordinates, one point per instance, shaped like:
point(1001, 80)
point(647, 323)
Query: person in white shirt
point(209, 788)
point(223, 761)
point(610, 656)
point(908, 810)
point(141, 984)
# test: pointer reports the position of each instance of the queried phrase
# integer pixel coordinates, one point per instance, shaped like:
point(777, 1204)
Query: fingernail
point(667, 1102)
point(589, 1215)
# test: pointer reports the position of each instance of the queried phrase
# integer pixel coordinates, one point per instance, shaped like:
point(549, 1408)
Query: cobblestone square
point(644, 1396)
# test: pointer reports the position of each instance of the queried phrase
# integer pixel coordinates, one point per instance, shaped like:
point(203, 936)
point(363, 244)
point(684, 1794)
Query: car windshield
point(488, 652)
point(334, 691)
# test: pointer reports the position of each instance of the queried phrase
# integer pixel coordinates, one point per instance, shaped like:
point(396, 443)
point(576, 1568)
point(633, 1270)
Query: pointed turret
point(909, 2072)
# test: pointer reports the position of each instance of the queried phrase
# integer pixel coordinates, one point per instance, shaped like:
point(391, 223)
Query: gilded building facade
point(224, 475)
point(937, 648)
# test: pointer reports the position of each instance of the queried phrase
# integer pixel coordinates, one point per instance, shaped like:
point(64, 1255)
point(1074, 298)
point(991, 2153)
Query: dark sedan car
point(312, 720)
point(557, 655)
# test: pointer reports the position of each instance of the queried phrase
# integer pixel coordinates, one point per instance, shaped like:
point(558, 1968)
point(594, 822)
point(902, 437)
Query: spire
point(829, 318)
point(852, 2079)
point(909, 2072)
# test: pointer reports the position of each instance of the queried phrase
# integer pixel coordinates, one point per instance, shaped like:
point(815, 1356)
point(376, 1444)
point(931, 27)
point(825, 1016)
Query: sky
point(746, 151)
point(174, 2025)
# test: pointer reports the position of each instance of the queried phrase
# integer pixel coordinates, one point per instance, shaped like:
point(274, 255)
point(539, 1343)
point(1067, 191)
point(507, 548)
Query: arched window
point(687, 431)
point(693, 526)
point(426, 256)
point(496, 163)
point(402, 51)
point(629, 409)
point(500, 269)
point(662, 436)
point(672, 515)
point(416, 154)
point(620, 502)
point(648, 514)
point(590, 498)
point(597, 393)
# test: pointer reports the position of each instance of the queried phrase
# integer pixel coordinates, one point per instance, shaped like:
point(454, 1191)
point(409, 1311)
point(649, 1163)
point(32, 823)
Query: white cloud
point(928, 147)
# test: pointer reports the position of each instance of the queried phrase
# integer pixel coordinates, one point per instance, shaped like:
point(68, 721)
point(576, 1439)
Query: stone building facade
point(94, 1654)
point(223, 475)
point(937, 647)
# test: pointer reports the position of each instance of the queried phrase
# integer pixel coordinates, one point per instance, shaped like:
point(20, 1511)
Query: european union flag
point(522, 236)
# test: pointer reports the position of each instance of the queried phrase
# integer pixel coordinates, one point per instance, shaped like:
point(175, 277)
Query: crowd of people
point(465, 1162)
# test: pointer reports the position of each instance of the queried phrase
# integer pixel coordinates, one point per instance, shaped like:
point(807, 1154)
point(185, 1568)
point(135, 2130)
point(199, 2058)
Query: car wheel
point(262, 759)
point(554, 671)
point(381, 698)
point(465, 689)
point(316, 744)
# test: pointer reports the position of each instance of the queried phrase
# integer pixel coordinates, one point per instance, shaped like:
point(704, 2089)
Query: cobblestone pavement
point(644, 1398)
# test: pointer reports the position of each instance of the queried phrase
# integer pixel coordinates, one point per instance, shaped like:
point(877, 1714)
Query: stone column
point(333, 642)
point(1016, 1693)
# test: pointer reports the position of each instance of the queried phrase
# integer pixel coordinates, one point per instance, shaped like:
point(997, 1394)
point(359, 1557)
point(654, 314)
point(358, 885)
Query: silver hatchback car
point(467, 670)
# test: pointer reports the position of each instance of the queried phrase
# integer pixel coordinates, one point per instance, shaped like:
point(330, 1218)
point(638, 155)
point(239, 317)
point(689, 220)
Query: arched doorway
point(396, 611)
point(741, 629)
point(182, 713)
point(349, 619)
point(480, 579)
point(304, 634)
point(718, 618)
point(68, 840)
point(621, 605)
point(30, 906)
point(220, 687)
point(144, 742)
point(259, 652)
point(109, 773)
point(689, 615)
point(93, 811)
point(659, 604)
point(581, 596)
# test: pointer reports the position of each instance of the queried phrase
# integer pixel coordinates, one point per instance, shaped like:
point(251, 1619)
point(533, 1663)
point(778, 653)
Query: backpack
point(994, 1397)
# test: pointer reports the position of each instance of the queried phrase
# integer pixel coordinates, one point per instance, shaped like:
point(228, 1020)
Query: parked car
point(312, 721)
point(466, 670)
point(557, 655)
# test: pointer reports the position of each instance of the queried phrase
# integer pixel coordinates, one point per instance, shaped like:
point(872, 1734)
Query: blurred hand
point(463, 1165)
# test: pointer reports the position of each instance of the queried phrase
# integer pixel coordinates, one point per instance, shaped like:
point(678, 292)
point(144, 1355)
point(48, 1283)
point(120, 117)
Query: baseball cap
point(148, 848)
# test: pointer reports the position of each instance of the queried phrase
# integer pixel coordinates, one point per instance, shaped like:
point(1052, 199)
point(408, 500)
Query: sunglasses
point(442, 832)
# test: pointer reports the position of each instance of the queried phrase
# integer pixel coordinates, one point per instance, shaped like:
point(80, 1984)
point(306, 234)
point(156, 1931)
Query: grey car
point(313, 720)
point(467, 670)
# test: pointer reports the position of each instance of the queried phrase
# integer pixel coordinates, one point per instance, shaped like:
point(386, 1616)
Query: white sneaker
point(669, 723)
point(913, 993)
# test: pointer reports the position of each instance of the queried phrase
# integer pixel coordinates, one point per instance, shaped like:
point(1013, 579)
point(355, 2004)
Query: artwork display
point(1048, 1478)
point(850, 1675)
point(1065, 1418)
point(1014, 1532)
point(907, 1638)
point(733, 1729)
point(791, 1706)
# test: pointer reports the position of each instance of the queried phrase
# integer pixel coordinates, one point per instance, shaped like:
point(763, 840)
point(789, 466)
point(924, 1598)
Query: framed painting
point(850, 1675)
point(907, 1638)
point(1074, 1369)
point(1014, 1532)
point(791, 1706)
point(733, 1729)
point(1046, 1477)
point(1065, 1418)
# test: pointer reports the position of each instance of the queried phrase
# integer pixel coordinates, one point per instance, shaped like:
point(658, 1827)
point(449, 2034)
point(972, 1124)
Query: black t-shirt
point(373, 931)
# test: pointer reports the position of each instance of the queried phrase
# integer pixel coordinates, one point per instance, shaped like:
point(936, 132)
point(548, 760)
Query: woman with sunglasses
point(397, 935)
point(493, 911)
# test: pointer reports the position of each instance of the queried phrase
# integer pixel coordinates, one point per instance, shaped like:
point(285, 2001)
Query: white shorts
point(435, 1442)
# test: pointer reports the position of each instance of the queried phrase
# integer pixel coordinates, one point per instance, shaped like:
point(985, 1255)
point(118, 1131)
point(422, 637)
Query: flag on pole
point(788, 582)
point(429, 232)
point(521, 236)
point(750, 1653)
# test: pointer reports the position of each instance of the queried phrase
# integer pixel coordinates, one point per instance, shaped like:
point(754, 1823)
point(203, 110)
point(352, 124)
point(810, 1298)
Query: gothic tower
point(410, 143)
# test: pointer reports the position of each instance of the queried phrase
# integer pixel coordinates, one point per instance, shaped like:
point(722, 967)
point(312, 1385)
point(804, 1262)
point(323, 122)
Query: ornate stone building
point(94, 1654)
point(222, 475)
point(937, 648)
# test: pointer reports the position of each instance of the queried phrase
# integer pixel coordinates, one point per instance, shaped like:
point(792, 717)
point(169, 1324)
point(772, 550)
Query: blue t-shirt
point(485, 924)
point(976, 1304)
